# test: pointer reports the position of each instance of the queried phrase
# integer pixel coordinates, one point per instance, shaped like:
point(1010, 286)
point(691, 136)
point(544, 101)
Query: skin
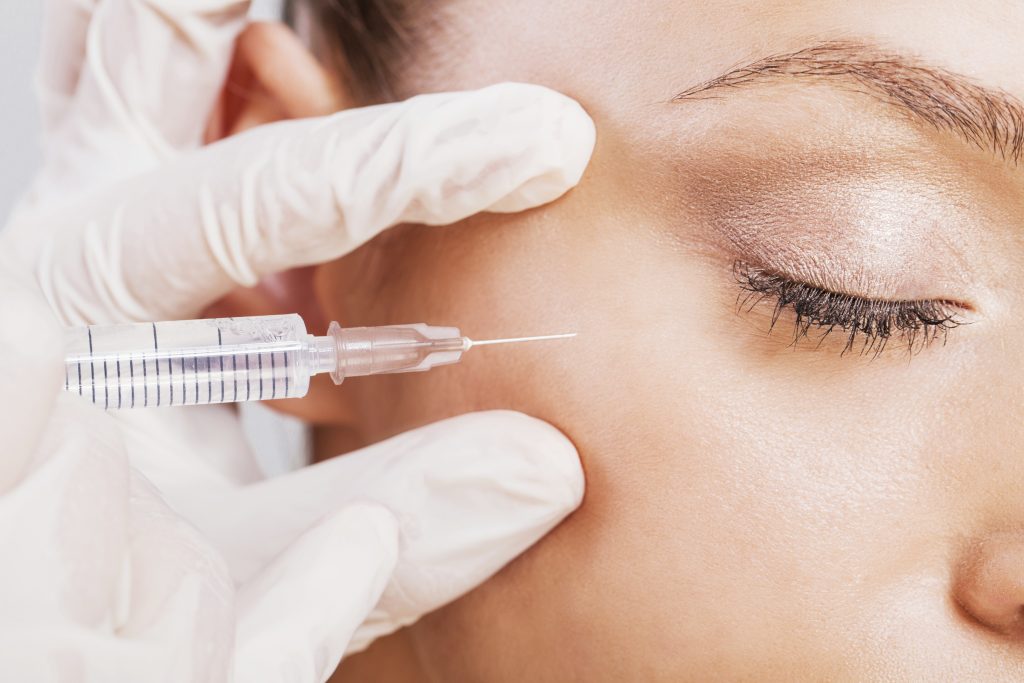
point(755, 510)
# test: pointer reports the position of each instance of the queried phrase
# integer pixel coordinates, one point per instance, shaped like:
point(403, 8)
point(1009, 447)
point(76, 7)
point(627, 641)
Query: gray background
point(20, 22)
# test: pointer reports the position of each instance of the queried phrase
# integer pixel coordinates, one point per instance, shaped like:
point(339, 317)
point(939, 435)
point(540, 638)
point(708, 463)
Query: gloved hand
point(131, 220)
point(100, 581)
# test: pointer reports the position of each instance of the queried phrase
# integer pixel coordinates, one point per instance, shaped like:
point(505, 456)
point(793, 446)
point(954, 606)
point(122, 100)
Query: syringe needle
point(514, 340)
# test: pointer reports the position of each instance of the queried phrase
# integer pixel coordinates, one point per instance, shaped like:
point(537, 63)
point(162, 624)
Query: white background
point(20, 23)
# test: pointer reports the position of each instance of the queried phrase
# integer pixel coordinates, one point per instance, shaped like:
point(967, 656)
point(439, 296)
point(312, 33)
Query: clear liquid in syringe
point(191, 362)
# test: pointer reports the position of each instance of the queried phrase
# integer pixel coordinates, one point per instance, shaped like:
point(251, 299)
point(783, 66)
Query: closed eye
point(867, 325)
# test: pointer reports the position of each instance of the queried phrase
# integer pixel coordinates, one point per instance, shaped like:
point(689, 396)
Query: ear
point(273, 77)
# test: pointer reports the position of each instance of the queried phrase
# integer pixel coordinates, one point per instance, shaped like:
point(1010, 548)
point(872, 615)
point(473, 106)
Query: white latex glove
point(101, 581)
point(129, 221)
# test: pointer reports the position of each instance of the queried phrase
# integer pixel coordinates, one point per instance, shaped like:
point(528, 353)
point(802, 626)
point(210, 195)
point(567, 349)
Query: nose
point(989, 583)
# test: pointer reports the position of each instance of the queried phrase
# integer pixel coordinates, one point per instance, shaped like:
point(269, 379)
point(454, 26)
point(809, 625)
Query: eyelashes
point(867, 325)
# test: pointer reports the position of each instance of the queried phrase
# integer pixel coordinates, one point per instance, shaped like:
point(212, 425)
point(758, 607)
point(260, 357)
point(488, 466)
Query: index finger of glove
point(470, 494)
point(306, 192)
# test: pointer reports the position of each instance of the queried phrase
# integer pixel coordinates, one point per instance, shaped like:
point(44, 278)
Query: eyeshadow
point(846, 223)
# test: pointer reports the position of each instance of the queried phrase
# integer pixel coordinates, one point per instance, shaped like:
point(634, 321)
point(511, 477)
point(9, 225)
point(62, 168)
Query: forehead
point(623, 54)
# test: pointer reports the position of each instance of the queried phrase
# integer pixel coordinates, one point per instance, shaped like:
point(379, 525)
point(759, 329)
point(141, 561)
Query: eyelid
point(919, 322)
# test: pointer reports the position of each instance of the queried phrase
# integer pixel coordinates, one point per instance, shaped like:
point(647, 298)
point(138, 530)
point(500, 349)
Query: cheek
point(719, 465)
point(508, 277)
point(639, 391)
point(631, 391)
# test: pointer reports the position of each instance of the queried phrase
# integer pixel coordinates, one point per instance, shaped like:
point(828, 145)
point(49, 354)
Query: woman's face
point(764, 502)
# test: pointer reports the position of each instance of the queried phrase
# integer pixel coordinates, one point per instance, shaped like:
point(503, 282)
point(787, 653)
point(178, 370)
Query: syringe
point(195, 362)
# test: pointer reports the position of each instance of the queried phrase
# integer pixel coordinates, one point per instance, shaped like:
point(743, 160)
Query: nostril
point(989, 583)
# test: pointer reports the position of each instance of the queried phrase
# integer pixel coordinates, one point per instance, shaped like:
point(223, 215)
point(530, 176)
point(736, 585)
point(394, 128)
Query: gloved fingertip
point(577, 133)
point(473, 492)
point(554, 459)
point(564, 145)
point(563, 459)
point(506, 147)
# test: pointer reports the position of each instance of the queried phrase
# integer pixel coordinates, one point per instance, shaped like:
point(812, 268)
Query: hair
point(364, 42)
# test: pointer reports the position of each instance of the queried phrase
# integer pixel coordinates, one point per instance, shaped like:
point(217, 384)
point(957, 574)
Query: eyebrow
point(990, 119)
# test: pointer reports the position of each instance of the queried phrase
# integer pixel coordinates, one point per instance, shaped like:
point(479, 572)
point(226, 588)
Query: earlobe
point(273, 77)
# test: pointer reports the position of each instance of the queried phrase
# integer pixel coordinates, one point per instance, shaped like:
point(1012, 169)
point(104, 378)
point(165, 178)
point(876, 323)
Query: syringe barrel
point(190, 362)
point(195, 362)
